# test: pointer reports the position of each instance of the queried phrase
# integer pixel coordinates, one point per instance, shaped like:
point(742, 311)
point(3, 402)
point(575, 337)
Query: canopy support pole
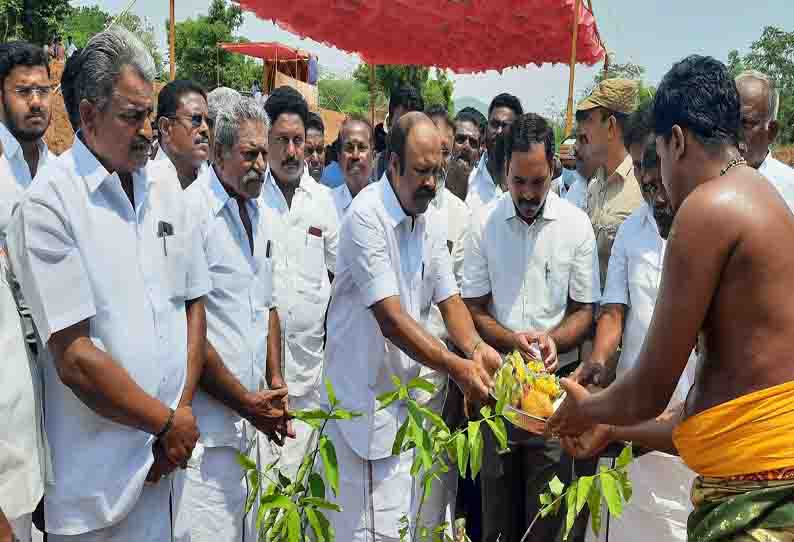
point(372, 94)
point(172, 45)
point(569, 112)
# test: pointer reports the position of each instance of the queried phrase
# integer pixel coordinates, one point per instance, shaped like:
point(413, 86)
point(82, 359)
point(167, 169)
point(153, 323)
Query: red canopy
point(461, 35)
point(265, 50)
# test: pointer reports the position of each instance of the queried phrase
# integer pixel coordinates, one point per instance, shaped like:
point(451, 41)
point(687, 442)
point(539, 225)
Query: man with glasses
point(24, 117)
point(467, 141)
point(183, 132)
point(484, 181)
point(304, 251)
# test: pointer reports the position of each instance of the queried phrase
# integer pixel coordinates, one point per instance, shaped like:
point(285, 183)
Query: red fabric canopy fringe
point(265, 50)
point(464, 36)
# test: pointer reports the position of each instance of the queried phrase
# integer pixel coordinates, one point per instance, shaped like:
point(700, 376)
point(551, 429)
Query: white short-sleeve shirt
point(82, 251)
point(15, 175)
point(238, 305)
point(382, 253)
point(342, 200)
point(482, 188)
point(781, 176)
point(305, 239)
point(531, 271)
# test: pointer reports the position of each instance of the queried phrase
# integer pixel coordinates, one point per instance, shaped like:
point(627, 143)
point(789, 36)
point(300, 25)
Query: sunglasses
point(195, 120)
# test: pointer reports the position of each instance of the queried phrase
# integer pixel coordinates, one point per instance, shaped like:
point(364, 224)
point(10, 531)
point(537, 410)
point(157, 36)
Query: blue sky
point(652, 33)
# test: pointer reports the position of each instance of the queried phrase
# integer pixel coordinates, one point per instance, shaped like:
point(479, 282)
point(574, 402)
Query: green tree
point(36, 21)
point(145, 33)
point(773, 54)
point(343, 95)
point(198, 56)
point(437, 90)
point(83, 22)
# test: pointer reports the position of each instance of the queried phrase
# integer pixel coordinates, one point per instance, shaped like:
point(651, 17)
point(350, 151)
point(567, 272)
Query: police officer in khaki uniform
point(614, 193)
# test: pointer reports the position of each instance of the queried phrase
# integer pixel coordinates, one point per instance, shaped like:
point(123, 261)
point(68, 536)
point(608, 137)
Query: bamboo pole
point(569, 112)
point(372, 94)
point(172, 44)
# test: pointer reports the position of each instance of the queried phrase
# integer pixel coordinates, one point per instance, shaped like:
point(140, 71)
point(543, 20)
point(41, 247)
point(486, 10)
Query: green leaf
point(293, 526)
point(283, 480)
point(434, 418)
point(594, 504)
point(422, 384)
point(254, 481)
point(476, 445)
point(342, 414)
point(546, 499)
point(328, 455)
point(314, 523)
point(397, 447)
point(462, 449)
point(321, 503)
point(275, 501)
point(313, 414)
point(428, 486)
point(499, 430)
point(485, 411)
point(245, 462)
point(625, 485)
point(397, 382)
point(329, 388)
point(570, 509)
point(386, 399)
point(583, 486)
point(611, 489)
point(316, 485)
point(626, 456)
point(556, 486)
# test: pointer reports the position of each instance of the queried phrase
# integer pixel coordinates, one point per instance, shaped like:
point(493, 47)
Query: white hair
point(228, 121)
point(771, 90)
point(104, 58)
point(221, 98)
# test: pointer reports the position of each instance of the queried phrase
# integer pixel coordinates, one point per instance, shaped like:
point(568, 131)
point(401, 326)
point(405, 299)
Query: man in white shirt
point(468, 137)
point(392, 264)
point(243, 331)
point(183, 128)
point(484, 181)
point(659, 506)
point(530, 275)
point(218, 99)
point(24, 117)
point(305, 236)
point(315, 146)
point(113, 271)
point(760, 104)
point(355, 159)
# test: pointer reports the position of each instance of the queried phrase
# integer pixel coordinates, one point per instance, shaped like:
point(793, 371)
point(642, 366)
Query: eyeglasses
point(196, 120)
point(27, 93)
point(462, 139)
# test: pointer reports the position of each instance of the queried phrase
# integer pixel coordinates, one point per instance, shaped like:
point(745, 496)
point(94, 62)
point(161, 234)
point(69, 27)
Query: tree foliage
point(36, 21)
point(198, 56)
point(773, 54)
point(435, 90)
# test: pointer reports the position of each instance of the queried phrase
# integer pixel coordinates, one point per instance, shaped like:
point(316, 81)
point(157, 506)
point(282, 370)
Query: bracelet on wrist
point(168, 424)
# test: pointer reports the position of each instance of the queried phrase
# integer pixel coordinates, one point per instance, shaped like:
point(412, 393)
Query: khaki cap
point(617, 95)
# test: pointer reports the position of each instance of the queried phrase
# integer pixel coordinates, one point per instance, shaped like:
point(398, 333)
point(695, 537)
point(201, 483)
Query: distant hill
point(468, 101)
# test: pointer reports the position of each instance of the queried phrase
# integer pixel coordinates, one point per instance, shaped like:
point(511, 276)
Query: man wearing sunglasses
point(183, 131)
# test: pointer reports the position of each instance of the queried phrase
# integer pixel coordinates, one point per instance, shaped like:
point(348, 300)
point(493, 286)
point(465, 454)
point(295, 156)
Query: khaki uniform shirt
point(609, 202)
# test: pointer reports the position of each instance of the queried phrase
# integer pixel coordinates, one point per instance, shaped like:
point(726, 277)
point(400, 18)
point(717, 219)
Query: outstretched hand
point(571, 419)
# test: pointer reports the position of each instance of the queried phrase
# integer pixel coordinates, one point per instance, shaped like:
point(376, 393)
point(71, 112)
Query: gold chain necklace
point(738, 161)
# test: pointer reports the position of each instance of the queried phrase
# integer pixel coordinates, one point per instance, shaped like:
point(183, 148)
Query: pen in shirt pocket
point(548, 271)
point(267, 249)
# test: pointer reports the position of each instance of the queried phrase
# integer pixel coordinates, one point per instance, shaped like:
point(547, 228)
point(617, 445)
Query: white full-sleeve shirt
point(82, 251)
point(532, 270)
point(382, 253)
point(305, 240)
point(239, 303)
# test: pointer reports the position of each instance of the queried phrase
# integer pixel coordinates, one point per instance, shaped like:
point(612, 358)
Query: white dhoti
point(291, 454)
point(212, 497)
point(149, 520)
point(374, 494)
point(659, 505)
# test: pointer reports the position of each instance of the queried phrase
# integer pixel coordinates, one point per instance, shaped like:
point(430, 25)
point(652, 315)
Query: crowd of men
point(164, 309)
